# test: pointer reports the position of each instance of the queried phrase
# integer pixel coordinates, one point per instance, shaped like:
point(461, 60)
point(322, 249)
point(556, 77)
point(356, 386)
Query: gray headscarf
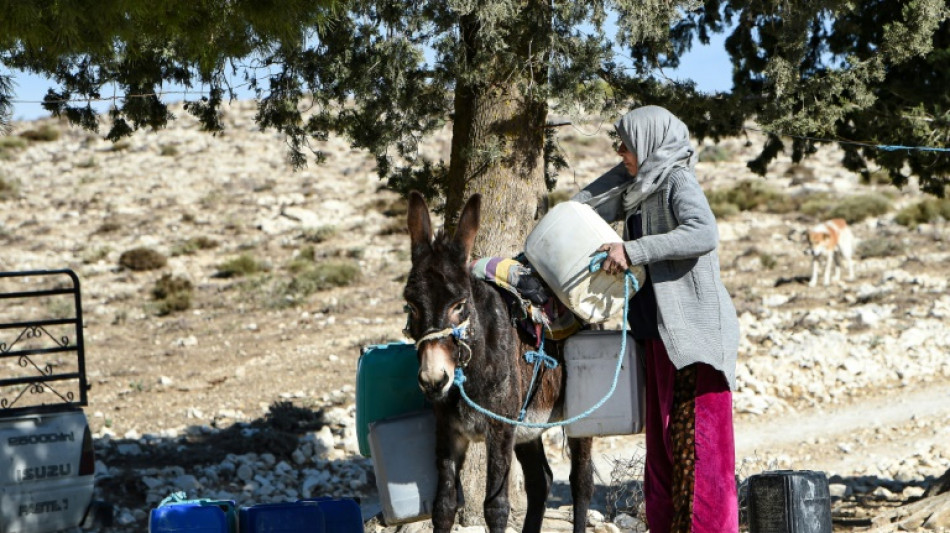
point(661, 142)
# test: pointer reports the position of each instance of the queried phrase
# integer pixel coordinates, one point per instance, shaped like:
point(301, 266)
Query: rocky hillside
point(227, 298)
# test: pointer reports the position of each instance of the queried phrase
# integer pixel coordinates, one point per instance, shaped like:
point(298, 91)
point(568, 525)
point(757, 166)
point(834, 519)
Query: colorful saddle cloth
point(537, 311)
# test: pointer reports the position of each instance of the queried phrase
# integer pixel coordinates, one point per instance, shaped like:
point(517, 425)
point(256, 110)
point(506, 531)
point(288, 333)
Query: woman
point(682, 318)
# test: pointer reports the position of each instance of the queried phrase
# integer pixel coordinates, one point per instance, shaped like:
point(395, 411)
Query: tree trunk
point(497, 151)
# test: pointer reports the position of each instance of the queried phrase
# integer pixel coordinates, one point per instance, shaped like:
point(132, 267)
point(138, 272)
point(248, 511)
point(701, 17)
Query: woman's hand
point(616, 261)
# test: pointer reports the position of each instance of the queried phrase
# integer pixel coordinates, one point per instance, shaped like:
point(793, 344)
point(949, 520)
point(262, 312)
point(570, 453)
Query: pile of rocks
point(325, 462)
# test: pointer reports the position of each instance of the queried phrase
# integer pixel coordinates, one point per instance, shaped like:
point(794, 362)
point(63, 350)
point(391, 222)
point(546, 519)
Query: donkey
point(459, 320)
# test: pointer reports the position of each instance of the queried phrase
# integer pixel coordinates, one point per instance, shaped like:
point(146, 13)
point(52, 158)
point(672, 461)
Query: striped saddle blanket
point(538, 313)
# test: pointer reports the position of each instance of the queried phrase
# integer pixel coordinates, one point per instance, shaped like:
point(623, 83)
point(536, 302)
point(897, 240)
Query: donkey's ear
point(420, 225)
point(468, 224)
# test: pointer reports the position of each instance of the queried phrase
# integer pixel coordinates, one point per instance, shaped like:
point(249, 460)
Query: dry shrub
point(109, 226)
point(140, 259)
point(9, 189)
point(625, 490)
point(121, 146)
point(395, 227)
point(397, 208)
point(325, 275)
point(714, 154)
point(239, 266)
point(860, 207)
point(854, 208)
point(172, 294)
point(193, 245)
point(880, 247)
point(924, 211)
point(44, 133)
point(749, 195)
point(9, 145)
point(321, 234)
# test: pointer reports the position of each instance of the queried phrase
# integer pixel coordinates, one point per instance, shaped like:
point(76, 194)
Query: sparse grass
point(923, 212)
point(395, 227)
point(325, 275)
point(9, 189)
point(853, 209)
point(11, 144)
point(397, 208)
point(168, 150)
point(172, 294)
point(276, 291)
point(109, 226)
point(192, 245)
point(242, 265)
point(303, 260)
point(768, 260)
point(121, 146)
point(817, 205)
point(714, 154)
point(44, 133)
point(880, 247)
point(321, 234)
point(95, 255)
point(140, 259)
point(749, 195)
point(860, 207)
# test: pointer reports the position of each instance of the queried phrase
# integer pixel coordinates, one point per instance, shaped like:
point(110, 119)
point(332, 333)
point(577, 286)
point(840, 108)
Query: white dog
point(834, 239)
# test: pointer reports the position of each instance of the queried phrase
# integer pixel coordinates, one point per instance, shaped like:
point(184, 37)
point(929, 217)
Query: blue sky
point(708, 66)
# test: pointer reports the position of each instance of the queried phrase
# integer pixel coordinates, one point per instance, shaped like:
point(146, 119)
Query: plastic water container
point(288, 517)
point(404, 461)
point(561, 247)
point(387, 385)
point(590, 361)
point(339, 515)
point(194, 516)
point(789, 501)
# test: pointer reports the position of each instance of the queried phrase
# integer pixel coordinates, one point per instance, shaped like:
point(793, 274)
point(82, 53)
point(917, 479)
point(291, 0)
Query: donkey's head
point(439, 295)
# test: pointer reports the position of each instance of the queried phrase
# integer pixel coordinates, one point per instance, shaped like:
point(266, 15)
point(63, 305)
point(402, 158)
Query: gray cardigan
point(696, 318)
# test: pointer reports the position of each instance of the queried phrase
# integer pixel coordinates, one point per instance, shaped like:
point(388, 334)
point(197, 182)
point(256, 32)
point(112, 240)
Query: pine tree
point(389, 74)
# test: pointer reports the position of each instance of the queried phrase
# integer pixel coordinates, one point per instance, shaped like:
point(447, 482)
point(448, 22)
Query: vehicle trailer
point(47, 459)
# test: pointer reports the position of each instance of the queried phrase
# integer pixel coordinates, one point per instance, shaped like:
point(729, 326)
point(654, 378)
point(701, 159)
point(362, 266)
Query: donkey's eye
point(457, 307)
point(411, 309)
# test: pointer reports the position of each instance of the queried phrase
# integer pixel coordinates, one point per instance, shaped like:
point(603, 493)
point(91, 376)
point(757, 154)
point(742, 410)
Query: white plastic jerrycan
point(561, 248)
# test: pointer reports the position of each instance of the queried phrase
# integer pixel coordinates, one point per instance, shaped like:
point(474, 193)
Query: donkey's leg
point(450, 455)
point(582, 479)
point(537, 481)
point(499, 444)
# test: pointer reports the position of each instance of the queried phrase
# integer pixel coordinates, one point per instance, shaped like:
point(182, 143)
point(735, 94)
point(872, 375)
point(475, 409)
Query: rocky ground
point(249, 394)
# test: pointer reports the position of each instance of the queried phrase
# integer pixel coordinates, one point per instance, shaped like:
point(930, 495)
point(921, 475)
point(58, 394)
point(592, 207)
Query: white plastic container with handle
point(561, 248)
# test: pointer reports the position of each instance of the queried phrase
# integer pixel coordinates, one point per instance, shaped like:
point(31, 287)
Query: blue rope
point(597, 261)
point(884, 147)
point(537, 358)
point(594, 266)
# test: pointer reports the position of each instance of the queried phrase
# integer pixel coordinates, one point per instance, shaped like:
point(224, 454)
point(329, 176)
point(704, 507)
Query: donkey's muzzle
point(434, 386)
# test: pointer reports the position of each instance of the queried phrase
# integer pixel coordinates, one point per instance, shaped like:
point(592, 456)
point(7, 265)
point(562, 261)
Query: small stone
point(245, 473)
point(882, 493)
point(839, 490)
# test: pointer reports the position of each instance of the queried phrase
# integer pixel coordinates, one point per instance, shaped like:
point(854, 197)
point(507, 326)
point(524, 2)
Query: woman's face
point(630, 161)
